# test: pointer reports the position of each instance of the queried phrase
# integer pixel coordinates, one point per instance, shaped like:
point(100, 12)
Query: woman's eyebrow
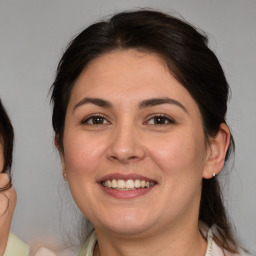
point(96, 101)
point(159, 101)
point(145, 103)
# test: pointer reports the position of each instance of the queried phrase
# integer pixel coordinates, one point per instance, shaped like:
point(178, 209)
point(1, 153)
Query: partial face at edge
point(128, 118)
point(1, 155)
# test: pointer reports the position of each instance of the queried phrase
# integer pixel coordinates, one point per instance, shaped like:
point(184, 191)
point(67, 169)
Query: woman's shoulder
point(16, 247)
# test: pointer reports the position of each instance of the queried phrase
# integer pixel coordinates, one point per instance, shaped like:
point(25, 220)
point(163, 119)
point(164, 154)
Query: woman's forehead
point(127, 73)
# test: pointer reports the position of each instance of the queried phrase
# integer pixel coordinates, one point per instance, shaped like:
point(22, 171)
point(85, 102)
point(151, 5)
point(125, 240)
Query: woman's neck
point(188, 241)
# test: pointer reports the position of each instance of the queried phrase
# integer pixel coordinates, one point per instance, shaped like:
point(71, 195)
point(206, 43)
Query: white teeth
point(109, 183)
point(127, 185)
point(121, 184)
point(114, 184)
point(137, 184)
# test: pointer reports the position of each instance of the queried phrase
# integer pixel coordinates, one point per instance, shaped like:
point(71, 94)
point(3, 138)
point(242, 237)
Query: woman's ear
point(216, 153)
point(61, 153)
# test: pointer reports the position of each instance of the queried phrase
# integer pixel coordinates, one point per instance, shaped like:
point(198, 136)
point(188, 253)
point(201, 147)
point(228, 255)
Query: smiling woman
point(139, 105)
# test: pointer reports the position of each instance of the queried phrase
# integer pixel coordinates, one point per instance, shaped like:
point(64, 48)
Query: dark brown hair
point(184, 49)
point(6, 138)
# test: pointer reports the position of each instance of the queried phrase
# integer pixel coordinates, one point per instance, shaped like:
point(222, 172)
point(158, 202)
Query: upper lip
point(119, 176)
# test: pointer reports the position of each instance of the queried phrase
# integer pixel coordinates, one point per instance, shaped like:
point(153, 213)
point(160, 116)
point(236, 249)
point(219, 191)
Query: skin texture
point(7, 206)
point(129, 141)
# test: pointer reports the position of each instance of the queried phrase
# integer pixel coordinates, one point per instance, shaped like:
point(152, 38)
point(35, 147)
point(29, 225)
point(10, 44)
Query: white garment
point(212, 248)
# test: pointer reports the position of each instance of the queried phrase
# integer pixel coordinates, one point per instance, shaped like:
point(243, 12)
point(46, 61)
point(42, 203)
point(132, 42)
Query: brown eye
point(95, 120)
point(160, 120)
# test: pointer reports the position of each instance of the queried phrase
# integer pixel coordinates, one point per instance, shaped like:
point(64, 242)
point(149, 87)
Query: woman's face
point(134, 146)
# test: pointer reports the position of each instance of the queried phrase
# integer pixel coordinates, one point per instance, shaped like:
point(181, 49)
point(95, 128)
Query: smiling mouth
point(125, 185)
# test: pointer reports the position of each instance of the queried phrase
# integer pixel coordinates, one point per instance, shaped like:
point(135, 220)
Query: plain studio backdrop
point(34, 34)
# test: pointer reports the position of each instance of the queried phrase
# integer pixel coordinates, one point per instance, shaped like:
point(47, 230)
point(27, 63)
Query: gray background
point(34, 33)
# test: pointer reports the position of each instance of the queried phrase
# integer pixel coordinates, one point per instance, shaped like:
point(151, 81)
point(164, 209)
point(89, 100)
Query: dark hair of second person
point(6, 138)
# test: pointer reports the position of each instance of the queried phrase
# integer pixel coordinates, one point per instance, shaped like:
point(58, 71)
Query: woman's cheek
point(169, 150)
point(82, 155)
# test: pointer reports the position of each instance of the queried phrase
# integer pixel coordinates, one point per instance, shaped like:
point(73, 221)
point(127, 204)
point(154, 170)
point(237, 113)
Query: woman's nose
point(126, 145)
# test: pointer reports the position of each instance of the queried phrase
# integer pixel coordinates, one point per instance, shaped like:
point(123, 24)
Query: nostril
point(124, 158)
point(113, 157)
point(133, 157)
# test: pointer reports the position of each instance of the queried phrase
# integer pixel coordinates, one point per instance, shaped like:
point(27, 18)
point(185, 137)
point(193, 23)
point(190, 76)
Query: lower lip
point(126, 194)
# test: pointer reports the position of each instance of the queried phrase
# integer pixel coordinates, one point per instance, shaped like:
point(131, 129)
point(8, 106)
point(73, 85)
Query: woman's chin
point(128, 225)
point(127, 230)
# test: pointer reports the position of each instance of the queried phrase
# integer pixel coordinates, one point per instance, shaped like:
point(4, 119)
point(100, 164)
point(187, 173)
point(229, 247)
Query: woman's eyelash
point(95, 120)
point(160, 119)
